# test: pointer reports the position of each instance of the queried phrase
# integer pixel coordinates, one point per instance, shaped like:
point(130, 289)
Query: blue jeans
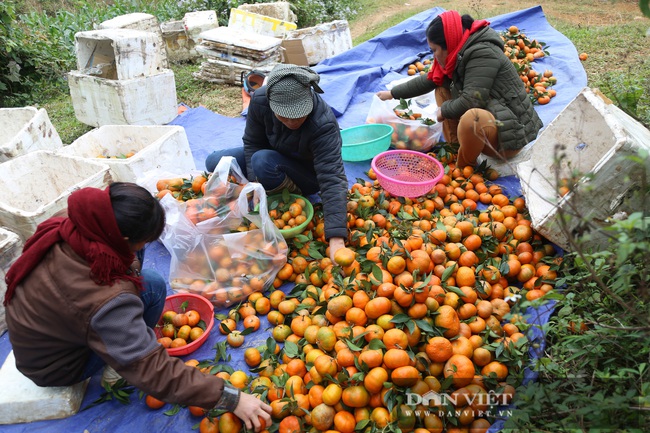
point(153, 297)
point(271, 168)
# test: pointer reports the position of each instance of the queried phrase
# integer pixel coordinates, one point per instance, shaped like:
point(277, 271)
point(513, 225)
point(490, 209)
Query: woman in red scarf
point(76, 301)
point(482, 101)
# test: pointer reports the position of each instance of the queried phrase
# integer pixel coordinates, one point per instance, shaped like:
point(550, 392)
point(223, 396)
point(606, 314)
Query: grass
point(57, 102)
point(611, 33)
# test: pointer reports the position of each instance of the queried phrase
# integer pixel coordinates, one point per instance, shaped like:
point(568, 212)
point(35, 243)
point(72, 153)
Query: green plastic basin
point(364, 142)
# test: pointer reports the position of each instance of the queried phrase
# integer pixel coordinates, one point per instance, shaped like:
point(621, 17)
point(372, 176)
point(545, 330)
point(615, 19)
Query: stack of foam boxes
point(121, 76)
point(229, 53)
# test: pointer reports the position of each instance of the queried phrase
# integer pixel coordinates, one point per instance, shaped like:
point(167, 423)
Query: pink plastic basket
point(194, 302)
point(406, 173)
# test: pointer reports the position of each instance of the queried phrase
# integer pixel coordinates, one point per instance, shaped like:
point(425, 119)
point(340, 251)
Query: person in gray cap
point(292, 141)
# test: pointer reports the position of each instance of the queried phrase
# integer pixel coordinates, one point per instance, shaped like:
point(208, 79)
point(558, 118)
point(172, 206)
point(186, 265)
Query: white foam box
point(593, 139)
point(41, 182)
point(278, 10)
point(182, 36)
point(179, 47)
point(155, 148)
point(324, 40)
point(147, 100)
point(260, 24)
point(139, 21)
point(118, 54)
point(25, 130)
point(10, 249)
point(23, 401)
point(197, 22)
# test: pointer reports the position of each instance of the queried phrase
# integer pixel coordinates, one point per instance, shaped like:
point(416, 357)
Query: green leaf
point(173, 411)
point(361, 424)
point(455, 290)
point(447, 273)
point(291, 349)
point(225, 328)
point(400, 318)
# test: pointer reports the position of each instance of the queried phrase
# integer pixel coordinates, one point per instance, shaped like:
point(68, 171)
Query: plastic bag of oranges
point(230, 253)
point(413, 128)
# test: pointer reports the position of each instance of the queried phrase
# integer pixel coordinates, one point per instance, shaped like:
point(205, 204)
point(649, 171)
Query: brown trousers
point(475, 131)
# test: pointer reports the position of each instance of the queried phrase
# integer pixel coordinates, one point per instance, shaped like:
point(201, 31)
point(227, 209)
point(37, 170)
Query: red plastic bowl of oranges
point(185, 324)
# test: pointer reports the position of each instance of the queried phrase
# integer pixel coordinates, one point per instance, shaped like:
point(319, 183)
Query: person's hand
point(439, 117)
point(250, 409)
point(335, 245)
point(384, 95)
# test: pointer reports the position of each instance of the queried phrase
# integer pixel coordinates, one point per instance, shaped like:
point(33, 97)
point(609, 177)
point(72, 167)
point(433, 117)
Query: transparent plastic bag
point(412, 134)
point(230, 254)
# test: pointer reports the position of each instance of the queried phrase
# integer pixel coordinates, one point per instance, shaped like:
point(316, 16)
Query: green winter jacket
point(485, 78)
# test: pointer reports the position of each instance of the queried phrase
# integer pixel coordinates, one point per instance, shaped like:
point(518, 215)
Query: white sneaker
point(110, 376)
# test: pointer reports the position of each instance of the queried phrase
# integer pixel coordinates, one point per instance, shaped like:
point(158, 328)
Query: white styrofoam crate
point(40, 183)
point(197, 22)
point(324, 40)
point(155, 148)
point(592, 139)
point(139, 21)
point(178, 46)
point(23, 401)
point(140, 101)
point(118, 54)
point(10, 249)
point(245, 39)
point(24, 130)
point(279, 10)
point(260, 24)
point(181, 37)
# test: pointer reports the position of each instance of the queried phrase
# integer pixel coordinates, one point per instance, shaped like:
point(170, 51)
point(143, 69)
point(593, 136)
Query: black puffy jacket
point(317, 143)
point(485, 78)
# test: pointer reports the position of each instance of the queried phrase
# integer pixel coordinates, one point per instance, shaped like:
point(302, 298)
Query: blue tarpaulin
point(349, 81)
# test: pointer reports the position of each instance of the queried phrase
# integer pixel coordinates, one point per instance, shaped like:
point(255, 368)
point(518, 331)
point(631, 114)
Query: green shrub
point(312, 12)
point(595, 372)
point(17, 70)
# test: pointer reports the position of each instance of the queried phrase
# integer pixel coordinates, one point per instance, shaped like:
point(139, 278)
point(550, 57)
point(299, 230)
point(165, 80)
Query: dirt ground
point(580, 13)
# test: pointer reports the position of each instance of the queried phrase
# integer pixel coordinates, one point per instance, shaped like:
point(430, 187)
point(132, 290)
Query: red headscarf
point(92, 232)
point(455, 38)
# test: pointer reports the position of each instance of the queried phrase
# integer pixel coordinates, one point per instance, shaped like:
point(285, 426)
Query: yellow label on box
point(260, 24)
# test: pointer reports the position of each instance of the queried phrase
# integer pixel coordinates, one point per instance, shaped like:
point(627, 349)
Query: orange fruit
point(344, 257)
point(439, 349)
point(461, 369)
point(447, 318)
point(153, 403)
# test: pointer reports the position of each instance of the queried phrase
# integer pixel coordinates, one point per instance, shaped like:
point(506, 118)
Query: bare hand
point(384, 95)
point(250, 409)
point(335, 245)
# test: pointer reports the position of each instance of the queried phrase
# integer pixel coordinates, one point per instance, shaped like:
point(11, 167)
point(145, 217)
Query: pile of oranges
point(419, 67)
point(287, 212)
point(423, 302)
point(183, 188)
point(180, 329)
point(523, 51)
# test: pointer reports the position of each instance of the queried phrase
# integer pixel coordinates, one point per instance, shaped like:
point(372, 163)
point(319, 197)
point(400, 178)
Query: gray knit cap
point(289, 90)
